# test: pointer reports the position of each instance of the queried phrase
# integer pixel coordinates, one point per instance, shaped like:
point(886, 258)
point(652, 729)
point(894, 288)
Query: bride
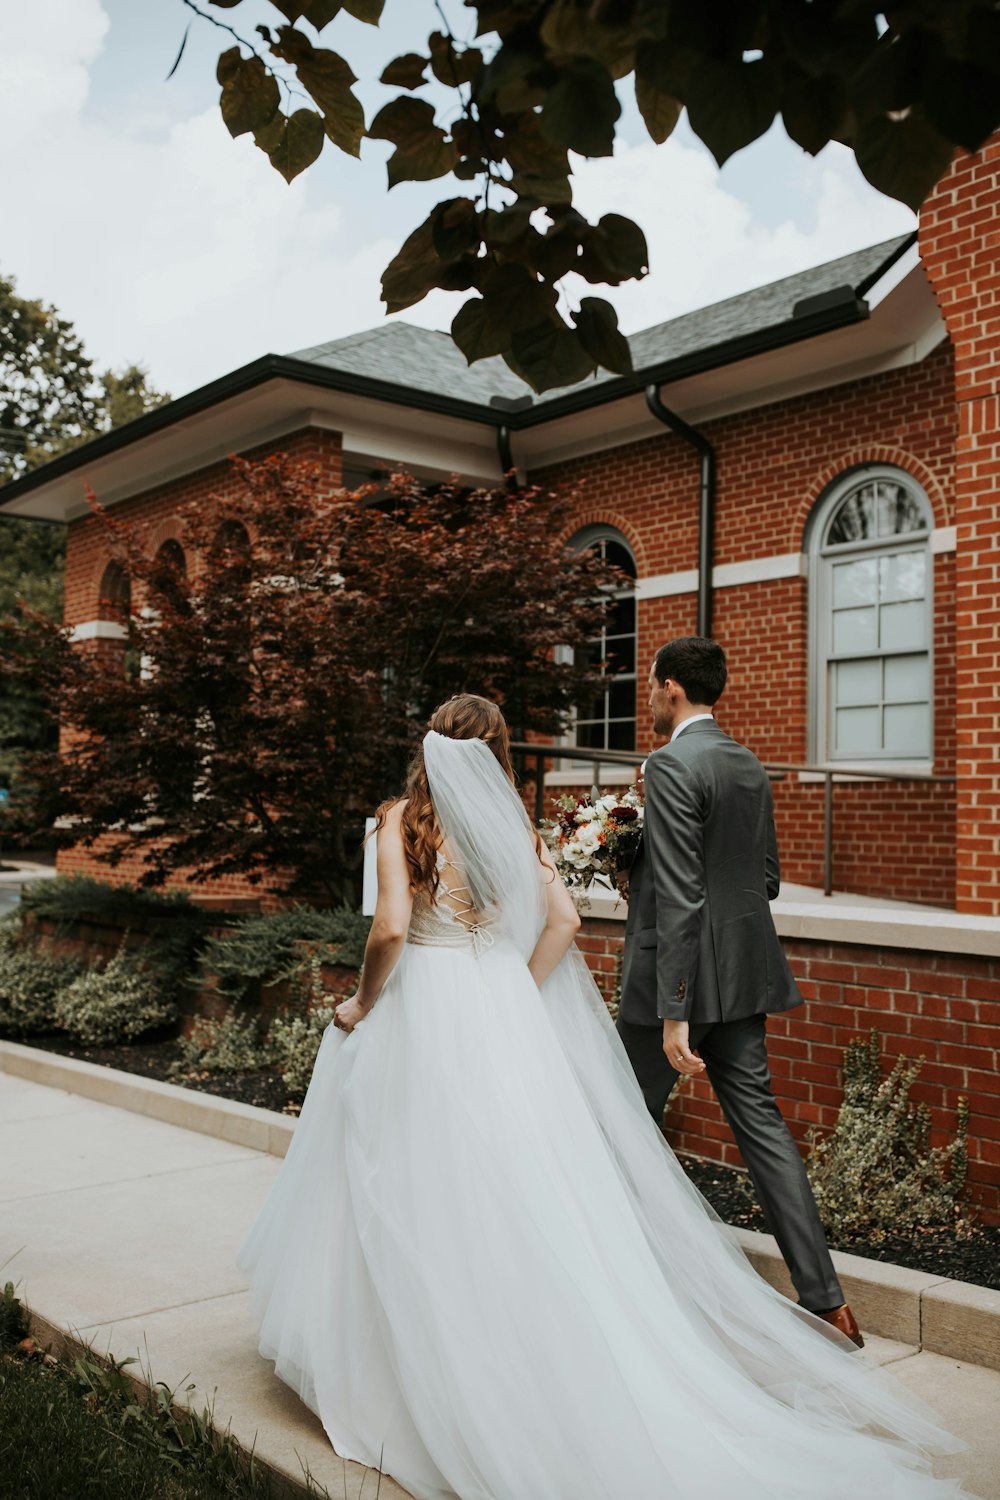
point(480, 1264)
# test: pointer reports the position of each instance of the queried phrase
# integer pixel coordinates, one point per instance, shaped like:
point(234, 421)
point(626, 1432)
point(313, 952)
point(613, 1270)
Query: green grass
point(57, 1445)
point(81, 1430)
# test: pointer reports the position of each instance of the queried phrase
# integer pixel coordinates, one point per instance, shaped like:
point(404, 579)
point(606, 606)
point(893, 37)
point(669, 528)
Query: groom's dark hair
point(698, 664)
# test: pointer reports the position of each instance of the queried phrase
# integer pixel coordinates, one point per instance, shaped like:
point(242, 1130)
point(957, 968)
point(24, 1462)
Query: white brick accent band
point(98, 630)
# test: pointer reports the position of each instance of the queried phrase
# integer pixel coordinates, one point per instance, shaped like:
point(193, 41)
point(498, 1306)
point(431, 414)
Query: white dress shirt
point(693, 720)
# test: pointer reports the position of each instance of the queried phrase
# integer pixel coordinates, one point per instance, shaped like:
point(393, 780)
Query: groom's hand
point(678, 1053)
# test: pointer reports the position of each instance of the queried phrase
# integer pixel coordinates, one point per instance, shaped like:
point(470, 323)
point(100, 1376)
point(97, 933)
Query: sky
point(169, 244)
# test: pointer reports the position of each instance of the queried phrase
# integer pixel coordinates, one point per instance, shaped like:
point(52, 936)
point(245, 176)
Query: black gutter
point(697, 362)
point(514, 416)
point(706, 500)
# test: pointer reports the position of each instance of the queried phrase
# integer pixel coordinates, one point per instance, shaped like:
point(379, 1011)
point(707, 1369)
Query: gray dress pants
point(735, 1058)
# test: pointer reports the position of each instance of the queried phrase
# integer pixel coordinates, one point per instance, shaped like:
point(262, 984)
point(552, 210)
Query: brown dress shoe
point(844, 1320)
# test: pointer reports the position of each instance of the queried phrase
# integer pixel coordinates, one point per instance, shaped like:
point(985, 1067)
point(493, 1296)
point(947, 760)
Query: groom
point(703, 964)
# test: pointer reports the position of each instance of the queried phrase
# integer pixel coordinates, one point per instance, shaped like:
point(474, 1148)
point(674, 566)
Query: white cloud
point(704, 244)
point(166, 243)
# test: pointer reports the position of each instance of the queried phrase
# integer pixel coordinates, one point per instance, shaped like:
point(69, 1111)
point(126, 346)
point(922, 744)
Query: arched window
point(871, 619)
point(114, 605)
point(231, 550)
point(114, 597)
point(170, 554)
point(607, 721)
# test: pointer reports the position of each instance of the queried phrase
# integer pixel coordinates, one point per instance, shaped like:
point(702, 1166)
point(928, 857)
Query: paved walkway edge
point(933, 1313)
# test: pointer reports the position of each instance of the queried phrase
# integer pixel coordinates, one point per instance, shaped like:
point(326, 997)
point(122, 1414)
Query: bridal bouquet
point(594, 840)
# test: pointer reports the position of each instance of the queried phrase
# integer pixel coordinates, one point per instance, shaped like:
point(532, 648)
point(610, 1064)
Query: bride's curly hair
point(464, 717)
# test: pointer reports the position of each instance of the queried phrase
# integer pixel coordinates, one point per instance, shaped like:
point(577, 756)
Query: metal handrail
point(776, 770)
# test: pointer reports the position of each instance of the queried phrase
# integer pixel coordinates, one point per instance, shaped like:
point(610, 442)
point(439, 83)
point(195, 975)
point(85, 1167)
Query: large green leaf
point(731, 104)
point(298, 145)
point(597, 324)
point(571, 31)
point(962, 102)
point(659, 109)
point(453, 65)
point(546, 191)
point(581, 109)
point(412, 272)
point(320, 13)
point(902, 158)
point(655, 89)
point(422, 149)
point(317, 12)
point(814, 111)
point(405, 72)
point(327, 78)
point(365, 10)
point(455, 229)
point(250, 96)
point(614, 251)
point(519, 297)
point(549, 355)
point(528, 150)
point(417, 267)
point(480, 330)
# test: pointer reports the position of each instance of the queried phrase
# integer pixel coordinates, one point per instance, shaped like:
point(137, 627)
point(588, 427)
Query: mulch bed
point(972, 1255)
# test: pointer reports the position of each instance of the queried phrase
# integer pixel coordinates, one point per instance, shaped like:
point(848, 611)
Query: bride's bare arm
point(389, 924)
point(562, 922)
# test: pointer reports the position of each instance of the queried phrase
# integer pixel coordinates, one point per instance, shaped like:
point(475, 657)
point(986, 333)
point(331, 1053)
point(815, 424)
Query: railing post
point(595, 790)
point(539, 788)
point(828, 834)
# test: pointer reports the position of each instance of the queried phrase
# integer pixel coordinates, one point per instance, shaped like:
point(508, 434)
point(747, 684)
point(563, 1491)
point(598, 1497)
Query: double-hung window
point(872, 620)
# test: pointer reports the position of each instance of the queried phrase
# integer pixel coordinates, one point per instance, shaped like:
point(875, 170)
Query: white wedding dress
point(482, 1267)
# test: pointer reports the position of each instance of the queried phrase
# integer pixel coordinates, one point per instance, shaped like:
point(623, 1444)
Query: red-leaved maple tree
point(285, 659)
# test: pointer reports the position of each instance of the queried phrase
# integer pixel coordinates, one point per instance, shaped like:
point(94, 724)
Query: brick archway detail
point(855, 458)
point(582, 519)
point(170, 529)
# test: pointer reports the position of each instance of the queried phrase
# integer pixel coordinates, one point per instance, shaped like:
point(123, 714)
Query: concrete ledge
point(842, 918)
point(240, 1124)
point(962, 1321)
point(930, 1312)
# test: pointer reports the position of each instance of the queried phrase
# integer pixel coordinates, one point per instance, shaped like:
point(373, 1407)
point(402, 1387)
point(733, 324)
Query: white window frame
point(820, 616)
point(611, 775)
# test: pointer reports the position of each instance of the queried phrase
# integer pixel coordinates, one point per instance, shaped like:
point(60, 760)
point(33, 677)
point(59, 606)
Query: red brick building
point(811, 469)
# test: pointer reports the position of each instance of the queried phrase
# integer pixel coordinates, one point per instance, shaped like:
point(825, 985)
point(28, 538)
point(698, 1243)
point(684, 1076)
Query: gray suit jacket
point(700, 943)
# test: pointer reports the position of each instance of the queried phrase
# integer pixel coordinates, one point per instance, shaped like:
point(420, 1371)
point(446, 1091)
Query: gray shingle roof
point(422, 359)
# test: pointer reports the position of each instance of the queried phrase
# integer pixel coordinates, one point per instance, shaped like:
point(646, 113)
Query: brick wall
point(774, 464)
point(942, 1007)
point(960, 246)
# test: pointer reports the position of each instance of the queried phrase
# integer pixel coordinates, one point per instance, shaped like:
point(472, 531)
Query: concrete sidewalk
point(120, 1229)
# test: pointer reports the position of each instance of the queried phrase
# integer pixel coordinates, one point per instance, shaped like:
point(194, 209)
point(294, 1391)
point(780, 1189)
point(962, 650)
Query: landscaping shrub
point(69, 900)
point(877, 1174)
point(273, 948)
point(294, 1043)
point(227, 1046)
point(30, 984)
point(115, 1004)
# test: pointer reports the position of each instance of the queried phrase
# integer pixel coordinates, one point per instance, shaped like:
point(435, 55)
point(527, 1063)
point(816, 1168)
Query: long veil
point(784, 1349)
point(485, 829)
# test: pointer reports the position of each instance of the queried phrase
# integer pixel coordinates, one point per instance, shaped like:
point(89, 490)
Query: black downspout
point(706, 501)
point(506, 457)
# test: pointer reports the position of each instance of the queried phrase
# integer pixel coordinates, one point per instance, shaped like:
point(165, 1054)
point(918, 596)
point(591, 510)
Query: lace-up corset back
point(449, 919)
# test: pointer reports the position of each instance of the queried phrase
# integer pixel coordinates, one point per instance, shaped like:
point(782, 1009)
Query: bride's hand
point(348, 1013)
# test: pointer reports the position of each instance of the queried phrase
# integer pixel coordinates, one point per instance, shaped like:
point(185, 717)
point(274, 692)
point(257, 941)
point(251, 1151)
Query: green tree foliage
point(286, 680)
point(51, 400)
point(901, 85)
